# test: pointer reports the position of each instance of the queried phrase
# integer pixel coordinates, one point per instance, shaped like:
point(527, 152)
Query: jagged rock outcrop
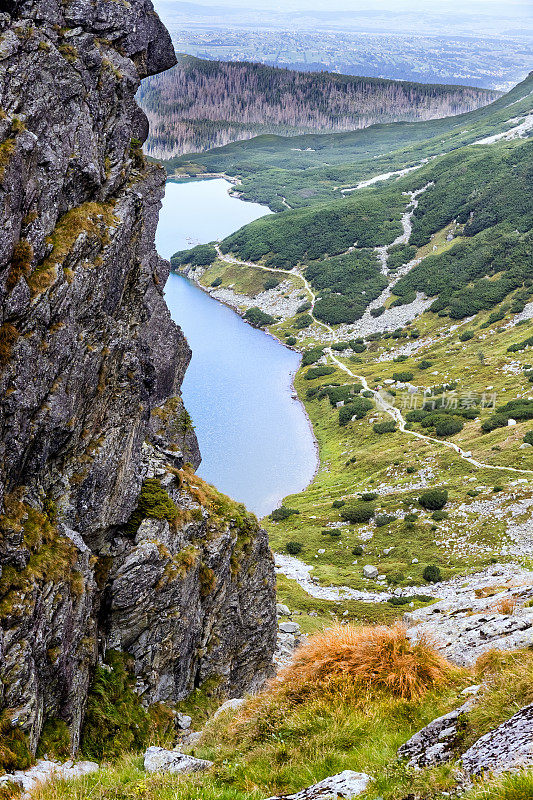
point(465, 626)
point(90, 371)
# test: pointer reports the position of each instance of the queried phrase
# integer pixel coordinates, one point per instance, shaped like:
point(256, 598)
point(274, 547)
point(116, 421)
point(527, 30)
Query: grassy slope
point(283, 743)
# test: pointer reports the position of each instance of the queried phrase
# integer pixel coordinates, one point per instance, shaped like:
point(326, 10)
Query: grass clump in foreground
point(371, 658)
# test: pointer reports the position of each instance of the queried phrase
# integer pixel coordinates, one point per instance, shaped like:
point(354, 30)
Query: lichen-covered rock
point(346, 784)
point(90, 371)
point(465, 626)
point(157, 759)
point(438, 741)
point(507, 748)
point(44, 771)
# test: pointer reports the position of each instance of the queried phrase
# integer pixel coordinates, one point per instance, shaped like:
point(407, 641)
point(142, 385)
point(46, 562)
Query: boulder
point(282, 610)
point(157, 759)
point(184, 721)
point(289, 627)
point(345, 784)
point(233, 705)
point(45, 770)
point(370, 572)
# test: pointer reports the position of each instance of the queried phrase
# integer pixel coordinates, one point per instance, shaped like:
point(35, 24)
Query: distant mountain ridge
point(200, 104)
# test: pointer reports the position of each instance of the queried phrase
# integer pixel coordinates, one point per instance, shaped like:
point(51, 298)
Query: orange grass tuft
point(507, 605)
point(371, 657)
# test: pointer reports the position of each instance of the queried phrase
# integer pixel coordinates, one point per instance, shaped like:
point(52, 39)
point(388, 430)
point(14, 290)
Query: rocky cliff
point(107, 538)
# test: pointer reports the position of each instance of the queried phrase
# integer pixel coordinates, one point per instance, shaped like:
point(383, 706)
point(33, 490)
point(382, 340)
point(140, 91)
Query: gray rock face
point(157, 759)
point(436, 742)
point(90, 371)
point(345, 784)
point(506, 748)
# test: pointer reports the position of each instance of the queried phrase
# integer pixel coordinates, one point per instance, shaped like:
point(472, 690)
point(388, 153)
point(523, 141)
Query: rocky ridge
point(91, 366)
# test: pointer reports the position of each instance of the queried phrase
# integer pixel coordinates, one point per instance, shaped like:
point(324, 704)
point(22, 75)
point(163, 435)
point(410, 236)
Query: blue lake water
point(255, 440)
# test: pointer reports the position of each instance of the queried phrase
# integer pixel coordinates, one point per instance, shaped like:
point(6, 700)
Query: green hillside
point(308, 169)
point(198, 104)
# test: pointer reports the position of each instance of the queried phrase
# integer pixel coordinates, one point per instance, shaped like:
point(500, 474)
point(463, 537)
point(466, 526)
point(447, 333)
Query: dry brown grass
point(8, 336)
point(20, 266)
point(507, 605)
point(375, 658)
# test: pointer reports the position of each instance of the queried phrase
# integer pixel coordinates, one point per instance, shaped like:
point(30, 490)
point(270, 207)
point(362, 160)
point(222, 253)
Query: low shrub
point(291, 341)
point(293, 548)
point(200, 256)
point(377, 312)
point(282, 513)
point(258, 318)
point(318, 372)
point(311, 356)
point(358, 408)
point(389, 426)
point(425, 364)
point(466, 336)
point(357, 550)
point(438, 516)
point(367, 496)
point(493, 422)
point(338, 503)
point(216, 282)
point(384, 519)
point(271, 283)
point(303, 321)
point(528, 438)
point(432, 574)
point(446, 425)
point(403, 377)
point(433, 499)
point(153, 503)
point(305, 306)
point(357, 512)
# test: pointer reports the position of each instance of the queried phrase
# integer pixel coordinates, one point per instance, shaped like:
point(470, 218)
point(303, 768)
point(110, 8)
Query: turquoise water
point(256, 443)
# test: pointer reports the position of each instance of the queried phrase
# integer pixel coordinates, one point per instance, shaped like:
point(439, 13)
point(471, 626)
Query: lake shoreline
point(293, 392)
point(257, 442)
